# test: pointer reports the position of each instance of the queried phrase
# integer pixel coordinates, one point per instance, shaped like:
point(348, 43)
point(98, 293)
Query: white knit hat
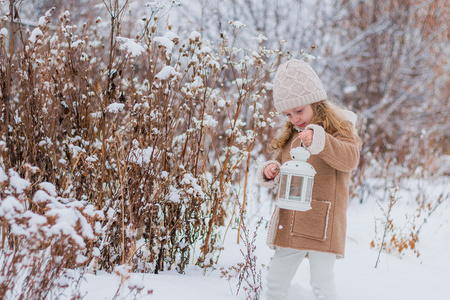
point(296, 84)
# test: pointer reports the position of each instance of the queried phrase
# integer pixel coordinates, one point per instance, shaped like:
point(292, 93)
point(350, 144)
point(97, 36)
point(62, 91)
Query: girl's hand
point(307, 137)
point(271, 171)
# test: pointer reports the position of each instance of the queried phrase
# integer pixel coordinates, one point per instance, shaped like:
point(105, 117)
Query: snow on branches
point(41, 235)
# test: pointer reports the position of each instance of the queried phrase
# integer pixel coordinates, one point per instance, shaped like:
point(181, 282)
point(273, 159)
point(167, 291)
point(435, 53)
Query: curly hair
point(323, 115)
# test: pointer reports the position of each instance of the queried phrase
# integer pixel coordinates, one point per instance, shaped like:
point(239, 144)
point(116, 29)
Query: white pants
point(284, 265)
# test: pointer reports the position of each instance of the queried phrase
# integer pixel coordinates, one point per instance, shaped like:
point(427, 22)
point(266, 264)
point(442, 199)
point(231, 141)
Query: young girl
point(329, 134)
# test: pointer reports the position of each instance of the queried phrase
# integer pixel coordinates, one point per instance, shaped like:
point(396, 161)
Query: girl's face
point(300, 116)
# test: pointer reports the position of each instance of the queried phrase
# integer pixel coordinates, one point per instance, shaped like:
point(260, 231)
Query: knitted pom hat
point(296, 84)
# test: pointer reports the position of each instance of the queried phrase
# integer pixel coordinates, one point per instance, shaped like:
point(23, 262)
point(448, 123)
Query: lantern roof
point(297, 168)
point(298, 165)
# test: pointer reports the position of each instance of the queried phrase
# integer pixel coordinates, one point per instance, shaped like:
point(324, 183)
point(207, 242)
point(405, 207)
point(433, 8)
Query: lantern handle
point(301, 142)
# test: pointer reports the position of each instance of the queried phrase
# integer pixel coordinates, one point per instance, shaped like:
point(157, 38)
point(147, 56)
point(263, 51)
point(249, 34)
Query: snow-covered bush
point(43, 237)
point(152, 129)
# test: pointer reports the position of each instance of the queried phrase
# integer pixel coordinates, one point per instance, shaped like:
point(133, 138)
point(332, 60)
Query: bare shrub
point(402, 235)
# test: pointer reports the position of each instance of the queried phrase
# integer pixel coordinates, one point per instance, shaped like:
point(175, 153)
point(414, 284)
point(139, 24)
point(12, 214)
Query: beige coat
point(323, 228)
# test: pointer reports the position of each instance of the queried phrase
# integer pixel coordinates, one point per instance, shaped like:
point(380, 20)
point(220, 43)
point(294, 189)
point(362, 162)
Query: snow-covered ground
point(408, 277)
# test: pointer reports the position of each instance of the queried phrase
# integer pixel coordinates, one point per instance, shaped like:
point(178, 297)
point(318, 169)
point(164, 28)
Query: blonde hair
point(323, 115)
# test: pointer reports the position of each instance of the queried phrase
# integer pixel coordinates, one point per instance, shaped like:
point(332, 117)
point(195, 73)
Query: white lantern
point(296, 182)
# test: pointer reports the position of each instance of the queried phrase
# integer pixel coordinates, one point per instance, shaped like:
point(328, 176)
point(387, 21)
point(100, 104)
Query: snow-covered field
point(408, 277)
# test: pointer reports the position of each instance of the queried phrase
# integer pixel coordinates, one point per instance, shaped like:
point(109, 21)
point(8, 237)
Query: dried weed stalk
point(248, 272)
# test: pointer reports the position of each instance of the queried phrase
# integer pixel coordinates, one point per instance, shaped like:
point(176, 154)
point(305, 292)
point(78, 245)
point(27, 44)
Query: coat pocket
point(313, 223)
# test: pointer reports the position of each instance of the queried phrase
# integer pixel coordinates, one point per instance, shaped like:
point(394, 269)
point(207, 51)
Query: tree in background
point(387, 60)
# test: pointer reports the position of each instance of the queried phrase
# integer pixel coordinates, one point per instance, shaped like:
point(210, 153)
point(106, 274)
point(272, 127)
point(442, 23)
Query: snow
point(207, 121)
point(64, 228)
point(90, 211)
point(260, 38)
point(35, 34)
point(188, 179)
point(41, 197)
point(408, 277)
point(18, 183)
point(41, 21)
point(92, 158)
point(404, 276)
point(350, 89)
point(49, 188)
point(195, 35)
point(10, 207)
point(213, 64)
point(3, 32)
point(164, 174)
point(115, 107)
point(221, 103)
point(34, 220)
point(174, 195)
point(196, 83)
point(165, 286)
point(165, 42)
point(123, 271)
point(81, 259)
point(3, 176)
point(237, 24)
point(142, 156)
point(166, 72)
point(171, 35)
point(205, 50)
point(131, 46)
point(154, 5)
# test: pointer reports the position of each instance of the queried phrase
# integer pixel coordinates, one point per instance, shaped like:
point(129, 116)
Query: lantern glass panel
point(282, 189)
point(309, 188)
point(295, 191)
